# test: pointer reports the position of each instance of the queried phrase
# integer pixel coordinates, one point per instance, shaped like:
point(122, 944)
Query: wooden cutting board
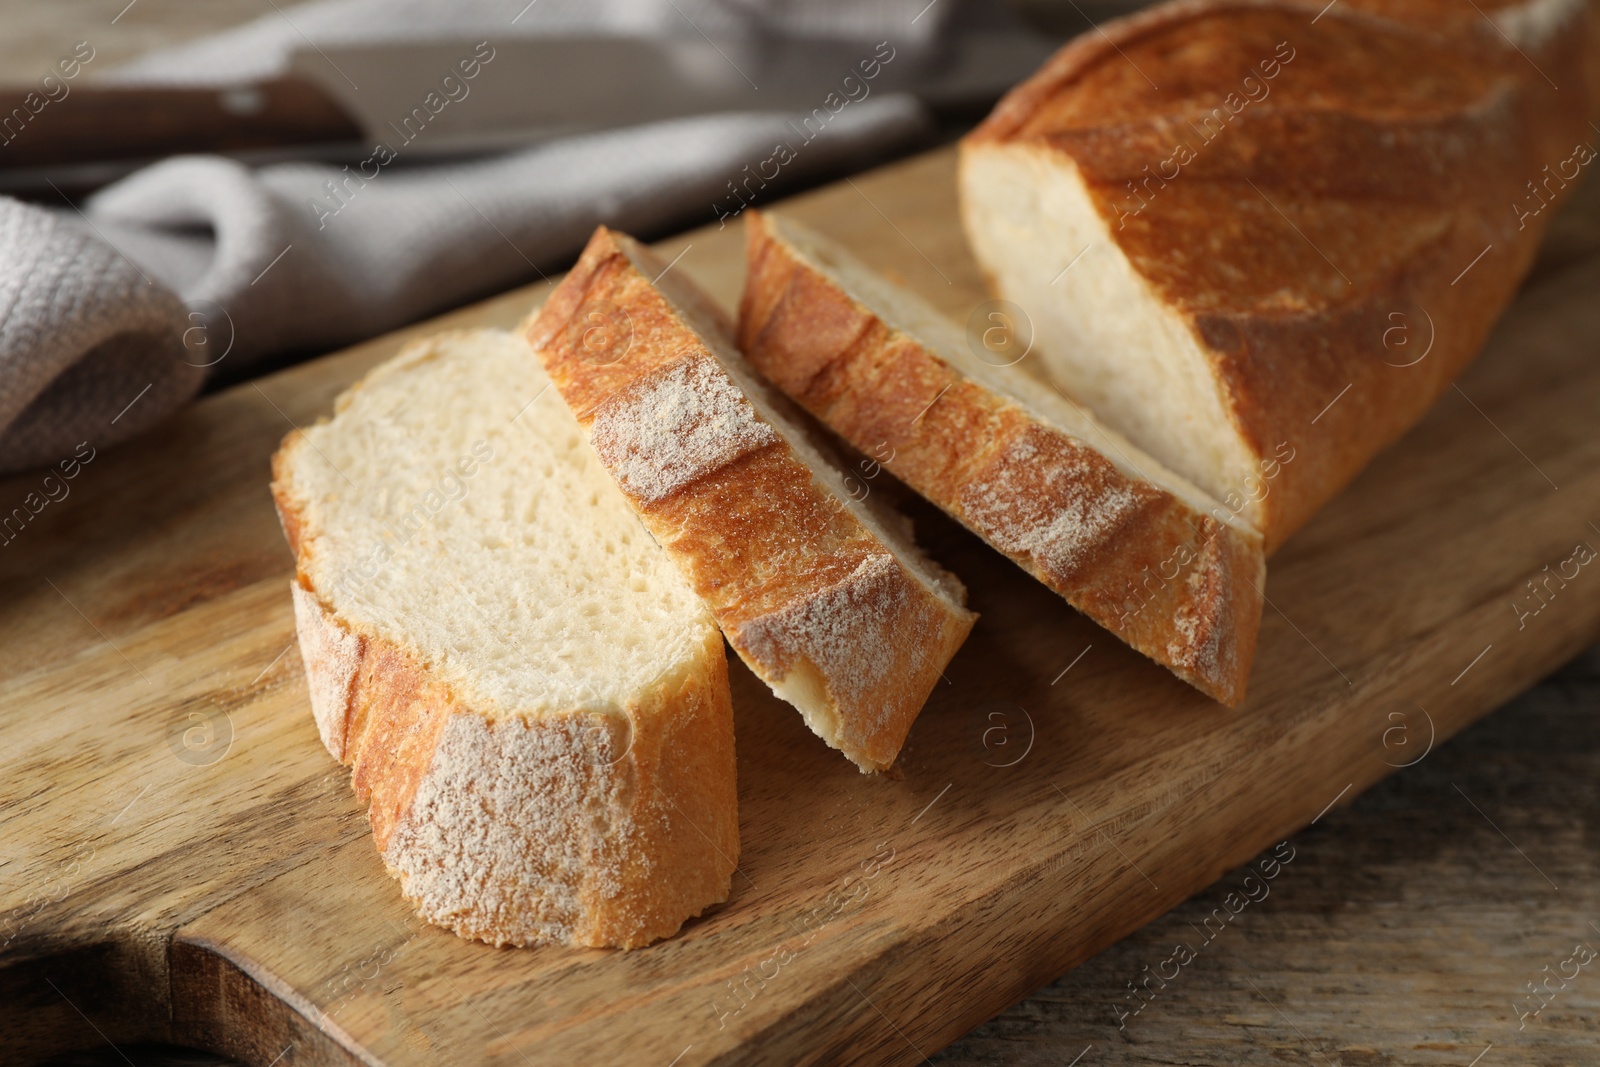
point(181, 860)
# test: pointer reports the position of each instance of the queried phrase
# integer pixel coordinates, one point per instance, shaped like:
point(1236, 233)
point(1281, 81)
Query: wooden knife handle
point(92, 124)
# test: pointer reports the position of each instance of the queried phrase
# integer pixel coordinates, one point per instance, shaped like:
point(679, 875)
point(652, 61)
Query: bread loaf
point(533, 702)
point(828, 601)
point(1133, 546)
point(1260, 238)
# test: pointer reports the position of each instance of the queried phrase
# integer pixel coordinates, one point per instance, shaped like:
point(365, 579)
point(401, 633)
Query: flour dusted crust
point(581, 829)
point(1399, 141)
point(598, 829)
point(837, 617)
point(1151, 567)
point(698, 423)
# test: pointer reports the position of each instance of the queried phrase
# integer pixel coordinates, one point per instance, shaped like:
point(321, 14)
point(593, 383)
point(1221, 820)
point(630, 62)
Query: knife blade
point(460, 97)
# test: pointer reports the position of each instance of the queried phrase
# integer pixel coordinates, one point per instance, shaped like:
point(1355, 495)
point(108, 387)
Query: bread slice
point(1130, 544)
point(828, 601)
point(533, 702)
point(1241, 238)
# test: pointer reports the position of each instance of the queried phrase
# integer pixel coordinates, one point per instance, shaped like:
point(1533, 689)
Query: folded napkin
point(115, 315)
point(91, 348)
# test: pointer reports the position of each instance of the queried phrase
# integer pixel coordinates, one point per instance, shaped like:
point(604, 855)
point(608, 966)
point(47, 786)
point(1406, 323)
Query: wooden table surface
point(1390, 932)
point(1368, 942)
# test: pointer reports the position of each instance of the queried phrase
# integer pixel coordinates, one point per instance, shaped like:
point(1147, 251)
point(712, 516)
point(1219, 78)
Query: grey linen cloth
point(91, 349)
point(113, 316)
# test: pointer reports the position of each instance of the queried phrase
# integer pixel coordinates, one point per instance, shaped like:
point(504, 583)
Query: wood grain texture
point(181, 859)
point(1401, 933)
point(1404, 932)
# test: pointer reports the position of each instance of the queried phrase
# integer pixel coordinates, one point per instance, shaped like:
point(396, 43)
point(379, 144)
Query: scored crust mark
point(508, 833)
point(1050, 499)
point(1140, 557)
point(854, 633)
point(1199, 645)
point(674, 427)
point(1094, 536)
point(819, 597)
point(582, 828)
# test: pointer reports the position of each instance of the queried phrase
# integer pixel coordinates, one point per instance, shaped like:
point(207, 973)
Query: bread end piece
point(829, 604)
point(1246, 246)
point(1132, 545)
point(596, 826)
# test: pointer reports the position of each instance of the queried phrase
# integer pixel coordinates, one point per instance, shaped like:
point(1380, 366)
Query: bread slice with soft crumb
point(532, 700)
point(826, 599)
point(1129, 543)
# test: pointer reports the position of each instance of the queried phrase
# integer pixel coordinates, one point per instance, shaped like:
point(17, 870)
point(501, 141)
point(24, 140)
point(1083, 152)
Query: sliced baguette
point(828, 602)
point(533, 702)
point(1130, 544)
point(1244, 230)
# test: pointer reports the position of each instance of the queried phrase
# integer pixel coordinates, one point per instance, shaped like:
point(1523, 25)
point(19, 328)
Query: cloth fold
point(91, 348)
point(295, 266)
point(114, 316)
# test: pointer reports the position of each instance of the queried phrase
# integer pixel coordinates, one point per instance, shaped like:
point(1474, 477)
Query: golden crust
point(470, 810)
point(1170, 580)
point(810, 597)
point(1390, 151)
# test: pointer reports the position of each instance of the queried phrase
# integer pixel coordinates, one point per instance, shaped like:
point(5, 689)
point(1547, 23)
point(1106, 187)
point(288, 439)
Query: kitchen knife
point(335, 103)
